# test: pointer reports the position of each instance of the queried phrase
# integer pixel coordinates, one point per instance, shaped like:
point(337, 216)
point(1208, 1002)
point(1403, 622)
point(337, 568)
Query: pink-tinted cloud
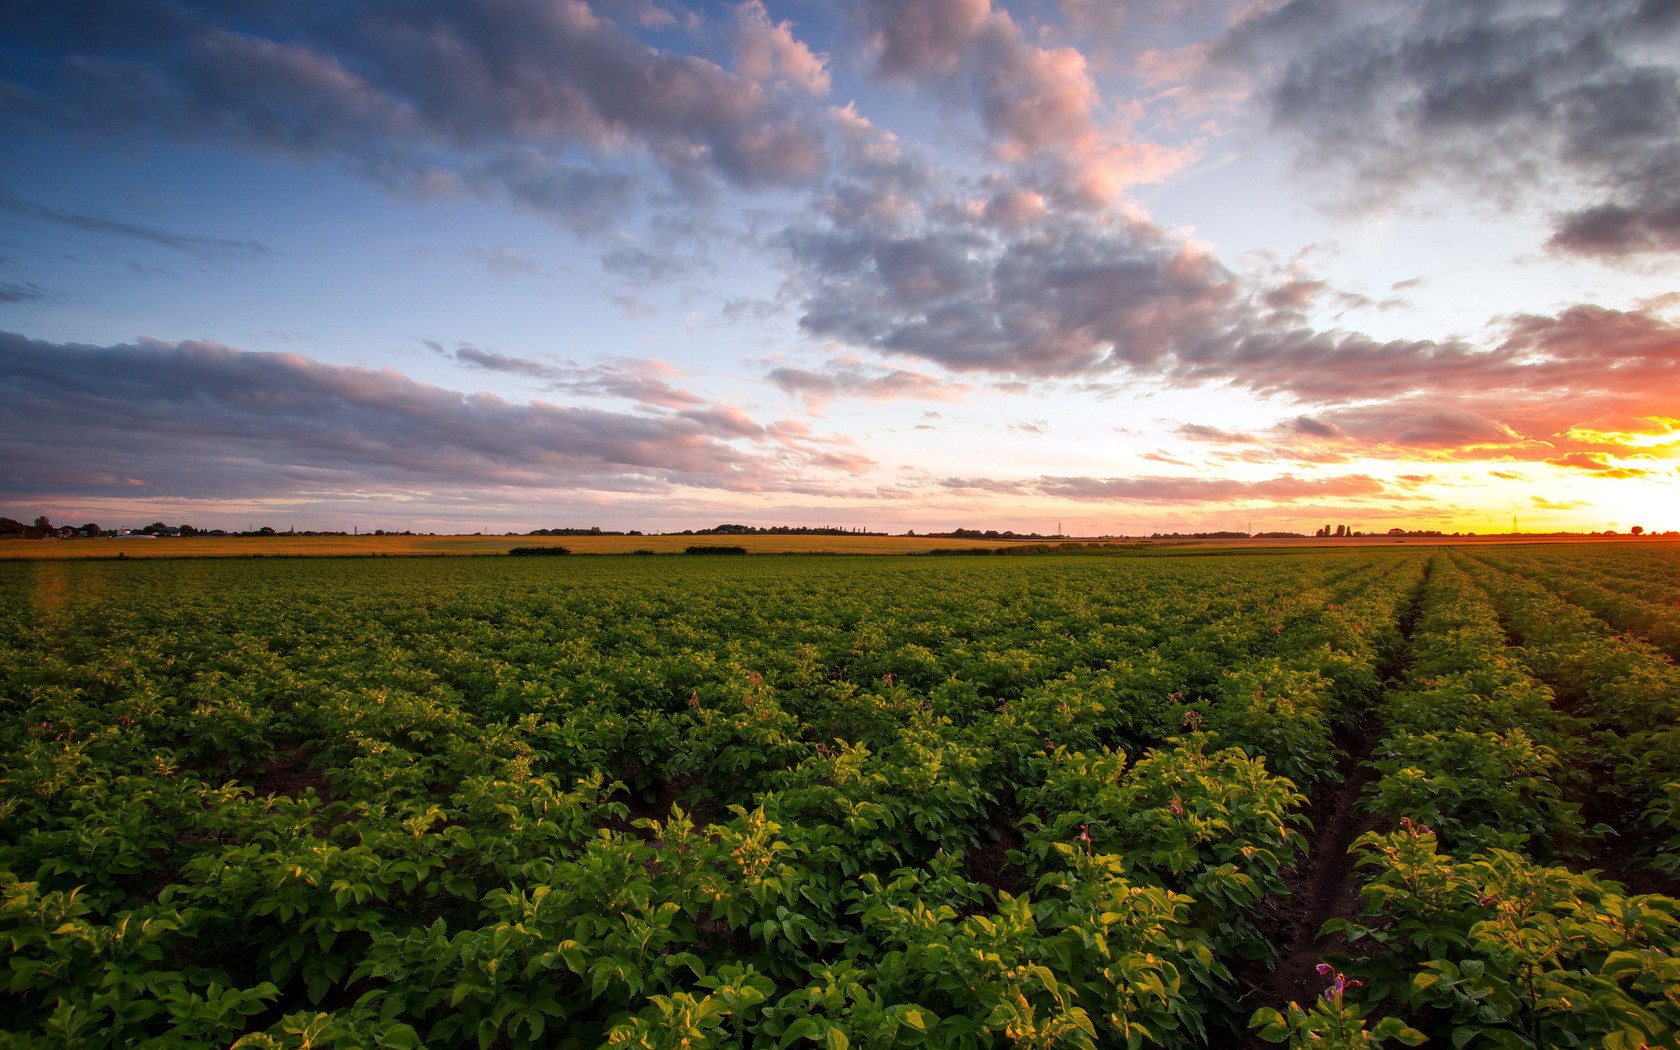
point(1035, 103)
point(849, 377)
point(770, 52)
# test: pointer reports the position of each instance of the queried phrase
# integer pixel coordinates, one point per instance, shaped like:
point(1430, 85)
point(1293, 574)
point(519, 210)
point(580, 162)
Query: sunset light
point(1106, 269)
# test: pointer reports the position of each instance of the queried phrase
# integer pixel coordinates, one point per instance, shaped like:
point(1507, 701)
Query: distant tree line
point(777, 530)
point(1199, 536)
point(989, 534)
point(595, 531)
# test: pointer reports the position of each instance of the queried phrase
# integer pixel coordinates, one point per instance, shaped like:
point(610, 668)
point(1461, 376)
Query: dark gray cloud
point(1059, 297)
point(204, 420)
point(212, 250)
point(426, 97)
point(1502, 98)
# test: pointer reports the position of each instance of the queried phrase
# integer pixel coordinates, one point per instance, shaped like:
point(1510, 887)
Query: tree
point(1638, 530)
point(91, 529)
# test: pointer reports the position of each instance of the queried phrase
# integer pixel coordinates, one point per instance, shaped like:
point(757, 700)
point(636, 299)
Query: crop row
point(1627, 690)
point(1472, 931)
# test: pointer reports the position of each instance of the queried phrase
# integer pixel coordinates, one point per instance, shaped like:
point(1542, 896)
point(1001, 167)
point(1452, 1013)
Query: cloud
point(924, 38)
point(1456, 430)
point(1115, 299)
point(643, 267)
point(1111, 300)
point(1620, 428)
point(991, 485)
point(1313, 428)
point(1162, 489)
point(1062, 297)
point(433, 96)
point(1516, 102)
point(642, 381)
point(768, 52)
point(506, 262)
point(201, 420)
point(211, 250)
point(1598, 465)
point(848, 377)
point(1201, 432)
point(26, 292)
point(1159, 456)
point(1036, 105)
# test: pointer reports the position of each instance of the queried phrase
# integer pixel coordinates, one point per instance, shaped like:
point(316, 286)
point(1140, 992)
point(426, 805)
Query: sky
point(1081, 267)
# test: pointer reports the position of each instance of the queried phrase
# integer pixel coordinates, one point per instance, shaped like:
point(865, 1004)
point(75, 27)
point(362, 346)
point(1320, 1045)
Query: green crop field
point(1328, 797)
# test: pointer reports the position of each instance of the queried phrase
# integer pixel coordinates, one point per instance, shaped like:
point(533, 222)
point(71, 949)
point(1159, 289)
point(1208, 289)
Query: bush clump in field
point(705, 549)
point(537, 552)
